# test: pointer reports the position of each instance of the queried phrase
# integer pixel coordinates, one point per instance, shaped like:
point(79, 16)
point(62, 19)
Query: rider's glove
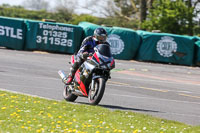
point(84, 55)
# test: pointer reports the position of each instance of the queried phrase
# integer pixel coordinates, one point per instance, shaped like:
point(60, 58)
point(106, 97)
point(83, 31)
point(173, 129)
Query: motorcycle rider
point(87, 47)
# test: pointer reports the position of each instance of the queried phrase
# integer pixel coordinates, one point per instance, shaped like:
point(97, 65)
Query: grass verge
point(25, 114)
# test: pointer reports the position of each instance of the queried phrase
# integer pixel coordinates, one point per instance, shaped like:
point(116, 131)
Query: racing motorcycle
point(91, 77)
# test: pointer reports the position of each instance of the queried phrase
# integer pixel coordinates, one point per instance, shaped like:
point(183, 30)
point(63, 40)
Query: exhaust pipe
point(62, 75)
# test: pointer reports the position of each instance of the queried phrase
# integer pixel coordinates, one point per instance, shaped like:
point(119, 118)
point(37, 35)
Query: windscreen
point(104, 49)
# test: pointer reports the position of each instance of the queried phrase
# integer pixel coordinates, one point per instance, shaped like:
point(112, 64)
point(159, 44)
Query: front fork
point(94, 77)
point(92, 86)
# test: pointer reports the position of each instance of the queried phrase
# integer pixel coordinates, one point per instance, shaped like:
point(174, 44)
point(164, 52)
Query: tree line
point(168, 16)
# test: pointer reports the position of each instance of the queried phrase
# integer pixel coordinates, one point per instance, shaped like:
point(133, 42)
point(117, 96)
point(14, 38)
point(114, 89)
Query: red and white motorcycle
point(90, 79)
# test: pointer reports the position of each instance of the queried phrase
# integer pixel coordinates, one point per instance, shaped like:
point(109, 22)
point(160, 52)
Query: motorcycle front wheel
point(96, 93)
point(68, 96)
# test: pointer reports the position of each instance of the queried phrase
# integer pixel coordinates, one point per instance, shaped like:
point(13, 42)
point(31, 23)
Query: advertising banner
point(12, 33)
point(53, 37)
point(168, 48)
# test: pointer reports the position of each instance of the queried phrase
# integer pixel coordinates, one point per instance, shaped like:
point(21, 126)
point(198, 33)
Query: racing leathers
point(87, 47)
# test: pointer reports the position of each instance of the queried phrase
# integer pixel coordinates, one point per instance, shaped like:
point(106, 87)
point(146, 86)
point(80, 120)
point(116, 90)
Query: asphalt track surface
point(167, 91)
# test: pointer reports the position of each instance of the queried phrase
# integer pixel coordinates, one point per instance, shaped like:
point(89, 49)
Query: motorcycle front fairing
point(99, 65)
point(83, 77)
point(106, 59)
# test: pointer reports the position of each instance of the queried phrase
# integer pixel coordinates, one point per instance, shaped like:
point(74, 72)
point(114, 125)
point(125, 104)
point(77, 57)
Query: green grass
point(26, 114)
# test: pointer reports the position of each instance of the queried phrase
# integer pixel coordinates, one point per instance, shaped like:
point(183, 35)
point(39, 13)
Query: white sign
point(117, 44)
point(55, 27)
point(166, 46)
point(55, 35)
point(11, 32)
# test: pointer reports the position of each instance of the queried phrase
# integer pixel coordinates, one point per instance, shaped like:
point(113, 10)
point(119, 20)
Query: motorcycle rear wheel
point(68, 96)
point(96, 95)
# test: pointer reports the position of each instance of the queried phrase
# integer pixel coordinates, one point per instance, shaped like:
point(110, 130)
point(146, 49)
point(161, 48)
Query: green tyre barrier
point(124, 42)
point(12, 33)
point(166, 48)
point(53, 37)
point(197, 52)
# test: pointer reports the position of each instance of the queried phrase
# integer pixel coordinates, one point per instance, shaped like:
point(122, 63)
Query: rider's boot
point(72, 73)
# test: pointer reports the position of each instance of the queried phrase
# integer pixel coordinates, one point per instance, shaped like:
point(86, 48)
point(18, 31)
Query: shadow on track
point(126, 108)
point(113, 107)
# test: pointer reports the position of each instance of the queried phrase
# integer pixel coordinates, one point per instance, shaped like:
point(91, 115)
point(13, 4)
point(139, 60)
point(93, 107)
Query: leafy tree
point(66, 5)
point(122, 13)
point(34, 15)
point(119, 22)
point(84, 17)
point(143, 10)
point(127, 8)
point(36, 4)
point(9, 6)
point(171, 16)
point(62, 15)
point(134, 11)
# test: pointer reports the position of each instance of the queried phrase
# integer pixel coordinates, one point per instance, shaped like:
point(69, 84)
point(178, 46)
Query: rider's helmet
point(100, 35)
